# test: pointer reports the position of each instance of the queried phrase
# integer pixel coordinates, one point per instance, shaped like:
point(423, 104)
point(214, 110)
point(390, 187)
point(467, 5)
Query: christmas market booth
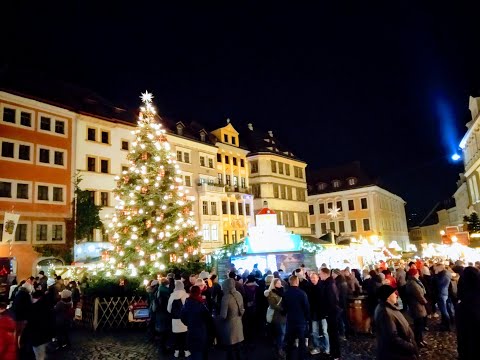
point(270, 246)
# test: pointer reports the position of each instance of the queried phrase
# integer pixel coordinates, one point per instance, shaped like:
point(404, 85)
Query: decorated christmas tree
point(153, 227)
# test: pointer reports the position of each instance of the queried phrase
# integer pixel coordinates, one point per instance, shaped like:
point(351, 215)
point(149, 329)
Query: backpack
point(177, 306)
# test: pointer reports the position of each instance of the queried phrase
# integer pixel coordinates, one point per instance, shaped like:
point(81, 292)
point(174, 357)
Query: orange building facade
point(35, 176)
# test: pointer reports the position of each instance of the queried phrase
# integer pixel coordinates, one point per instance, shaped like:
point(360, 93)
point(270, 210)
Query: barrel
point(357, 314)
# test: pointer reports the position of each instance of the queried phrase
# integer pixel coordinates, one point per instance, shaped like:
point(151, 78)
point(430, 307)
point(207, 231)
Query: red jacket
point(8, 348)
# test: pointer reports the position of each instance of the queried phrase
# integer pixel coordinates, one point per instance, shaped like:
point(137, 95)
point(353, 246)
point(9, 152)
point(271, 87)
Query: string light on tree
point(153, 226)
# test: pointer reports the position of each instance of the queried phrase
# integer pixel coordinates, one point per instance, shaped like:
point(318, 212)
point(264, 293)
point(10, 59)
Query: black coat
point(196, 317)
point(40, 327)
point(329, 305)
point(22, 304)
point(295, 304)
point(395, 339)
point(314, 299)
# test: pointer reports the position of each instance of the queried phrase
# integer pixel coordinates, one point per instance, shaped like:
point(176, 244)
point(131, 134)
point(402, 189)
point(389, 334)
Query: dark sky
point(388, 86)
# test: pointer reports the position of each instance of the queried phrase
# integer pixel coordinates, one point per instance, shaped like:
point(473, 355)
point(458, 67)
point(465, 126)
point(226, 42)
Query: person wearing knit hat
point(416, 299)
point(394, 335)
point(63, 318)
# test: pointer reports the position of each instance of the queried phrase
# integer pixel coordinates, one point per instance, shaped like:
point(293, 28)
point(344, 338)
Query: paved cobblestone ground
point(133, 345)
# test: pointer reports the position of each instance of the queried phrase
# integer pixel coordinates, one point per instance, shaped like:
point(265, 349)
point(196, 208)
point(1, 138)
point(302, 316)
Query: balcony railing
point(204, 187)
point(237, 189)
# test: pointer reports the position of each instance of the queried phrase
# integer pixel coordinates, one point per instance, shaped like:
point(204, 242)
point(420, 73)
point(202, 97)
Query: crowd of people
point(37, 315)
point(307, 311)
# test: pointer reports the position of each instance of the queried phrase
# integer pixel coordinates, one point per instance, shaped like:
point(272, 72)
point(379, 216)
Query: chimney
point(270, 132)
point(250, 126)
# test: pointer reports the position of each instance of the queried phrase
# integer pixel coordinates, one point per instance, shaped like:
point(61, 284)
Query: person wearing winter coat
point(152, 306)
point(162, 316)
point(442, 280)
point(64, 314)
point(279, 321)
point(231, 311)
point(251, 317)
point(8, 342)
point(217, 294)
point(295, 304)
point(415, 294)
point(175, 305)
point(197, 318)
point(468, 314)
point(40, 327)
point(342, 287)
point(395, 339)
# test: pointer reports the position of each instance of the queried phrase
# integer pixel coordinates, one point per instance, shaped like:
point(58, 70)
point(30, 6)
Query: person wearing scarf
point(231, 312)
point(415, 293)
point(196, 317)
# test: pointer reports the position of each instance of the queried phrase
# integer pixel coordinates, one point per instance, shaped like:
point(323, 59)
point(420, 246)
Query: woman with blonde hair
point(278, 319)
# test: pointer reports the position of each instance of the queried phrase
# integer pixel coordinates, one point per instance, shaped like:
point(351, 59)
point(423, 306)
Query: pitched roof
point(321, 181)
point(258, 141)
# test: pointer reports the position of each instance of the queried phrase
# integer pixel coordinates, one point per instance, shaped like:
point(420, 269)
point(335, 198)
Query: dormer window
point(203, 136)
point(234, 140)
point(321, 186)
point(225, 138)
point(336, 183)
point(352, 181)
point(180, 127)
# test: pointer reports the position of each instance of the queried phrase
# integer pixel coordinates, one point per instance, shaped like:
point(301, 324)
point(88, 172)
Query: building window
point(91, 164)
point(206, 232)
point(235, 181)
point(352, 181)
point(243, 183)
point(213, 208)
point(321, 208)
point(60, 127)
point(188, 180)
point(329, 205)
point(234, 140)
point(42, 193)
point(351, 205)
point(179, 155)
point(220, 179)
point(312, 229)
point(214, 232)
point(57, 194)
point(310, 209)
point(321, 186)
point(234, 159)
point(283, 192)
point(256, 190)
point(227, 160)
point(232, 209)
point(274, 166)
point(124, 168)
point(225, 138)
point(227, 179)
point(26, 119)
point(363, 202)
point(224, 208)
point(91, 134)
point(210, 163)
point(280, 168)
point(202, 160)
point(9, 115)
point(219, 158)
point(104, 165)
point(339, 205)
point(104, 198)
point(366, 224)
point(125, 145)
point(105, 137)
point(7, 149)
point(353, 225)
point(300, 194)
point(287, 169)
point(186, 157)
point(341, 226)
point(45, 123)
point(205, 207)
point(323, 227)
point(298, 172)
point(247, 209)
point(44, 156)
point(21, 232)
point(57, 232)
point(58, 158)
point(24, 152)
point(254, 166)
point(240, 208)
point(5, 189)
point(234, 236)
point(226, 237)
point(289, 193)
point(22, 191)
point(332, 226)
point(242, 163)
point(41, 232)
point(202, 136)
point(275, 191)
point(336, 183)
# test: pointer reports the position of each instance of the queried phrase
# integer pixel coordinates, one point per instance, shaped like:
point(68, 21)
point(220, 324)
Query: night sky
point(383, 85)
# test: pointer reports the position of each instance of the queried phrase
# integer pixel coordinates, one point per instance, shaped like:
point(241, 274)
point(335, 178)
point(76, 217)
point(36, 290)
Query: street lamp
point(456, 157)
